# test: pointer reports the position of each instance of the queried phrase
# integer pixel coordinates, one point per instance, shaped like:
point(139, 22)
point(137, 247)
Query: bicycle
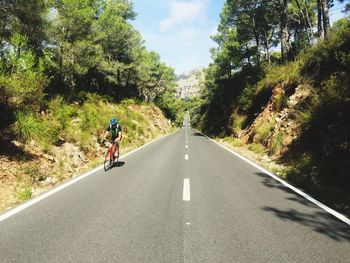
point(110, 160)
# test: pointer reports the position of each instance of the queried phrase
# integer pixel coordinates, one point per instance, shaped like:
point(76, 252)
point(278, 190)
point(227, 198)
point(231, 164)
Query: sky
point(180, 30)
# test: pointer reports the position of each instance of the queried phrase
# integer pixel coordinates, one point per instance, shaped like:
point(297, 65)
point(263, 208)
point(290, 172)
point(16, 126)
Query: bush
point(235, 142)
point(21, 76)
point(263, 130)
point(28, 126)
point(289, 73)
point(25, 193)
point(238, 123)
point(245, 99)
point(277, 143)
point(61, 111)
point(257, 148)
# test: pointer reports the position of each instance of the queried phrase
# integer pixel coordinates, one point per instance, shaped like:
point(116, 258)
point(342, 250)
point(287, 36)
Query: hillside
point(296, 116)
point(63, 141)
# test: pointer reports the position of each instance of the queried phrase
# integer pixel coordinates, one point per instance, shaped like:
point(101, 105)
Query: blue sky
point(180, 30)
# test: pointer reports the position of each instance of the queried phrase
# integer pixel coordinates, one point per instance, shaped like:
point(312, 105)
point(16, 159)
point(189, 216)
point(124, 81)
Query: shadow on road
point(268, 181)
point(319, 221)
point(119, 164)
point(198, 134)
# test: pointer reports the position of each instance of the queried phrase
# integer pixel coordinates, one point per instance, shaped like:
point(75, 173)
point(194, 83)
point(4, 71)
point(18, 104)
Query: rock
point(49, 157)
point(17, 143)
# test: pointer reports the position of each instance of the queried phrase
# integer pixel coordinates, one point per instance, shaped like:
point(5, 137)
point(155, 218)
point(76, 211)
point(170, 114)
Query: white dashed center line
point(186, 196)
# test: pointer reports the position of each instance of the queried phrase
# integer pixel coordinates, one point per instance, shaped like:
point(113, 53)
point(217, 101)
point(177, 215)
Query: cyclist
point(116, 135)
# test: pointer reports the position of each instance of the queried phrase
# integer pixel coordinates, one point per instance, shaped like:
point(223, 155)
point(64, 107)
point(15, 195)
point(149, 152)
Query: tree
point(27, 18)
point(325, 15)
point(22, 78)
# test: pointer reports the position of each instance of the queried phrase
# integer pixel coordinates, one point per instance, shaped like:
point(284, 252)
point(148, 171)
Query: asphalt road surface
point(180, 199)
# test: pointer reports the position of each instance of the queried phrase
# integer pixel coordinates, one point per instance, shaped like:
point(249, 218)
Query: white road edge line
point(186, 156)
point(65, 185)
point(298, 191)
point(186, 196)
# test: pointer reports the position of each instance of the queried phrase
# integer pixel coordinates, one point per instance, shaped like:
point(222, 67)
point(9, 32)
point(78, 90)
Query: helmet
point(114, 121)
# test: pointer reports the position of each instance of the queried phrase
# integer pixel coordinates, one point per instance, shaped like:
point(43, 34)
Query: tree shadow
point(198, 134)
point(14, 152)
point(268, 181)
point(320, 221)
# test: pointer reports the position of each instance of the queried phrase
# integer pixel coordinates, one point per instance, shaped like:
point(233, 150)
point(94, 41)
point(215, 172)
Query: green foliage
point(235, 142)
point(277, 143)
point(264, 129)
point(280, 101)
point(329, 56)
point(29, 126)
point(238, 123)
point(245, 99)
point(26, 18)
point(301, 172)
point(61, 112)
point(25, 193)
point(257, 148)
point(93, 48)
point(289, 74)
point(173, 107)
point(21, 76)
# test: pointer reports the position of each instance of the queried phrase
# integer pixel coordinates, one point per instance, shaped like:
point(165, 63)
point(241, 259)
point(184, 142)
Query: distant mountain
point(190, 84)
point(185, 75)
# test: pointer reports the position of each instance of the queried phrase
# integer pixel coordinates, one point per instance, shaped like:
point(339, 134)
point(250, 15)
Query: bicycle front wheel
point(108, 162)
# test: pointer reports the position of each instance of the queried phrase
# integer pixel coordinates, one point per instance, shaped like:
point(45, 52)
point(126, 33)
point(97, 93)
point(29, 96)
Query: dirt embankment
point(278, 125)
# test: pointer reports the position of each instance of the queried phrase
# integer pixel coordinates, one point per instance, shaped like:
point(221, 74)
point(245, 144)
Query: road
point(180, 199)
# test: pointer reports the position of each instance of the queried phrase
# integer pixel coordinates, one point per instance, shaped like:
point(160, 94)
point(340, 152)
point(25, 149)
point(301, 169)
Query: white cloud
point(188, 34)
point(181, 53)
point(183, 12)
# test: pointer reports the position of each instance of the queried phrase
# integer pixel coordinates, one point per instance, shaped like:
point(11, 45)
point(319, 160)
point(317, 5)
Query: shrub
point(263, 129)
point(21, 75)
point(61, 111)
point(28, 126)
point(235, 142)
point(25, 193)
point(289, 73)
point(277, 143)
point(245, 99)
point(257, 148)
point(281, 101)
point(238, 123)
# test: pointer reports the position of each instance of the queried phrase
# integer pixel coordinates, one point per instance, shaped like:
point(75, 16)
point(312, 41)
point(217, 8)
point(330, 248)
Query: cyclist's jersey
point(114, 131)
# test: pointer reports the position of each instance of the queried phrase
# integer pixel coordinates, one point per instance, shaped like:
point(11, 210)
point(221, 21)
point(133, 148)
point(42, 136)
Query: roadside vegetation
point(290, 107)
